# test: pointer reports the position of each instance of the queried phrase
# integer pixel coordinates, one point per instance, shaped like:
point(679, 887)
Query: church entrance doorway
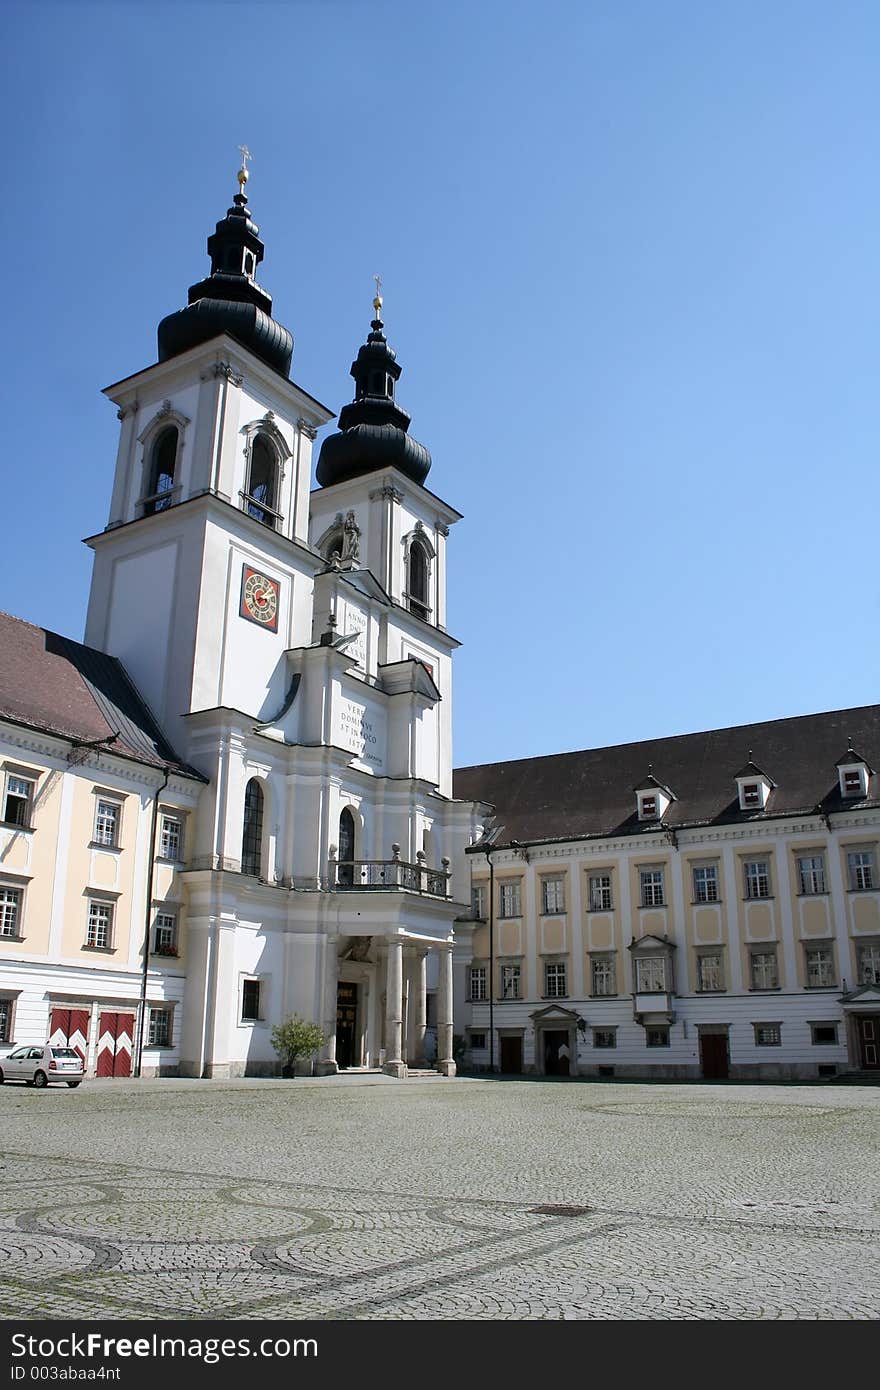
point(557, 1052)
point(346, 1024)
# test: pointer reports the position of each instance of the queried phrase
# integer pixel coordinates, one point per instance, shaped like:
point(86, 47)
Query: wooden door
point(70, 1028)
point(511, 1056)
point(115, 1032)
point(713, 1056)
point(869, 1042)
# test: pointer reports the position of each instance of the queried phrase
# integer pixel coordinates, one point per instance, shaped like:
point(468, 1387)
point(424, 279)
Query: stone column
point(445, 1063)
point(326, 1065)
point(418, 1008)
point(394, 1063)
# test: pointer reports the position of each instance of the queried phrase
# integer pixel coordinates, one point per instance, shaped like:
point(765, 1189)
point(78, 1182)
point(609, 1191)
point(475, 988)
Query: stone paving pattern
point(363, 1197)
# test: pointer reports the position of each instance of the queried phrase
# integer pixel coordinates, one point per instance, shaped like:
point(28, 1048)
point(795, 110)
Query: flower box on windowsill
point(166, 951)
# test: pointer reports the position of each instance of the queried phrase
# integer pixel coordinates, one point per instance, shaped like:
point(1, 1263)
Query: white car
point(37, 1066)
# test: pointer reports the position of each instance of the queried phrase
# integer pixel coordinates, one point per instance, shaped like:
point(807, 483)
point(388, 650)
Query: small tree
point(296, 1038)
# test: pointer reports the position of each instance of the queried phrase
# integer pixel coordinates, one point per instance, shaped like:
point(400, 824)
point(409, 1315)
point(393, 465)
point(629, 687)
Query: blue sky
point(630, 254)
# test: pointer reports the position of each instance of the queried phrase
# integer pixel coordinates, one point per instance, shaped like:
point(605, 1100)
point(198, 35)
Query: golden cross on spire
point(377, 302)
point(243, 171)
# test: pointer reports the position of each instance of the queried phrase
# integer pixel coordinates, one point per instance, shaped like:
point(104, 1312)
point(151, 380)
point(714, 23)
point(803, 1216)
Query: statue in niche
point(351, 540)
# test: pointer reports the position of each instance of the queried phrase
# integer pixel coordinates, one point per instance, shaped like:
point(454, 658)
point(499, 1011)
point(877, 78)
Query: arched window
point(417, 579)
point(345, 873)
point(252, 836)
point(163, 460)
point(262, 489)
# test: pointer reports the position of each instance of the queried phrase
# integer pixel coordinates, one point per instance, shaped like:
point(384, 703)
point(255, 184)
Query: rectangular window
point(17, 800)
point(824, 1034)
point(6, 1011)
point(751, 794)
point(651, 975)
point(710, 975)
point(820, 967)
point(602, 975)
point(861, 870)
point(510, 900)
point(10, 911)
point(159, 1029)
point(705, 883)
point(604, 1037)
point(600, 893)
point(99, 932)
point(552, 895)
point(107, 823)
point(250, 1001)
point(479, 989)
point(554, 979)
point(477, 1041)
point(764, 974)
point(652, 887)
point(170, 838)
point(852, 782)
point(757, 872)
point(657, 1037)
point(811, 874)
point(768, 1034)
point(868, 958)
point(478, 901)
point(649, 807)
point(166, 934)
point(510, 981)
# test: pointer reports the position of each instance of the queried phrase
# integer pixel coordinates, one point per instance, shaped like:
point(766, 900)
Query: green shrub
point(297, 1038)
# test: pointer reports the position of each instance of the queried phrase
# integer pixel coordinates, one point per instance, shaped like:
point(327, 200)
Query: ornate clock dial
point(259, 598)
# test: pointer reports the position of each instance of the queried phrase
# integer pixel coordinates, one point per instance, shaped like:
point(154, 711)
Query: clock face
point(259, 598)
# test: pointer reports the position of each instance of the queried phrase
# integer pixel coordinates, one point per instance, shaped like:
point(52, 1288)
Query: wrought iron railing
point(359, 875)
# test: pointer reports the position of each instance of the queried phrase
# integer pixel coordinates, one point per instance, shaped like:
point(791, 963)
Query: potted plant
point(295, 1038)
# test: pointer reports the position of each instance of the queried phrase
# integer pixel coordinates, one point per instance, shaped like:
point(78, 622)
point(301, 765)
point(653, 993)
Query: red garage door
point(115, 1032)
point(70, 1028)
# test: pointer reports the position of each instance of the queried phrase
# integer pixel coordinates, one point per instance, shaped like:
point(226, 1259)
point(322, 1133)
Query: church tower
point(294, 648)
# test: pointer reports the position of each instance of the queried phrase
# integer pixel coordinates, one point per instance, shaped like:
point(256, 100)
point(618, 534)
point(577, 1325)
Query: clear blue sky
point(630, 254)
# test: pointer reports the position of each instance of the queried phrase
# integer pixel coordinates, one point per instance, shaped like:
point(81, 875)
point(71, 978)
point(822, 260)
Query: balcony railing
point(367, 875)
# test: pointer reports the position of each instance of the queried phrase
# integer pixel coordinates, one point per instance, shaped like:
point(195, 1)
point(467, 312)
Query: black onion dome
point(373, 428)
point(230, 300)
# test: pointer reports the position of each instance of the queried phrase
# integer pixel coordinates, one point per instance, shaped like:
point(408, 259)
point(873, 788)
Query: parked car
point(37, 1066)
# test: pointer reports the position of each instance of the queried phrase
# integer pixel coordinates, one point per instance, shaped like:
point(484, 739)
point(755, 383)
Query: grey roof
point(590, 793)
point(51, 683)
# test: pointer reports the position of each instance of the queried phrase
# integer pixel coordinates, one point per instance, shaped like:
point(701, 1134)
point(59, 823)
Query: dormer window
point(652, 799)
point(753, 787)
point(853, 773)
point(648, 808)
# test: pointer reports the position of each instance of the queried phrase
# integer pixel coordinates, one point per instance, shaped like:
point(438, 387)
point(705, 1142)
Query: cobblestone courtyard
point(361, 1197)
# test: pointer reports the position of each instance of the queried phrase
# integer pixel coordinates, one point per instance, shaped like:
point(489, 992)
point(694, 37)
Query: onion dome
point(230, 300)
point(373, 428)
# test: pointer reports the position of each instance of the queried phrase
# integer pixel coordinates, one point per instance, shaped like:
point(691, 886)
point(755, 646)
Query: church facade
point(292, 648)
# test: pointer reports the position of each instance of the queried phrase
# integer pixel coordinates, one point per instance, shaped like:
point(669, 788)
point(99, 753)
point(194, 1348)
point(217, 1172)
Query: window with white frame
point(165, 934)
point(251, 1001)
point(511, 905)
point(10, 910)
point(820, 967)
point(479, 983)
point(554, 979)
point(511, 976)
point(764, 973)
point(603, 975)
point(652, 887)
point(478, 900)
point(768, 1034)
point(600, 893)
point(854, 779)
point(710, 972)
point(868, 962)
point(604, 1037)
point(552, 895)
point(18, 800)
point(7, 1009)
point(99, 929)
point(477, 1041)
point(648, 807)
point(107, 818)
point(757, 878)
point(651, 975)
point(705, 883)
point(751, 794)
point(170, 837)
point(159, 1028)
point(862, 870)
point(811, 874)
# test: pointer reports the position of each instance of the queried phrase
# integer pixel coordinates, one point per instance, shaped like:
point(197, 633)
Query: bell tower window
point(163, 461)
point(261, 494)
point(345, 871)
point(252, 834)
point(417, 580)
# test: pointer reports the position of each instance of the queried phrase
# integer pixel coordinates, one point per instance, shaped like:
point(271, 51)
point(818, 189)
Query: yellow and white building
point(707, 905)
